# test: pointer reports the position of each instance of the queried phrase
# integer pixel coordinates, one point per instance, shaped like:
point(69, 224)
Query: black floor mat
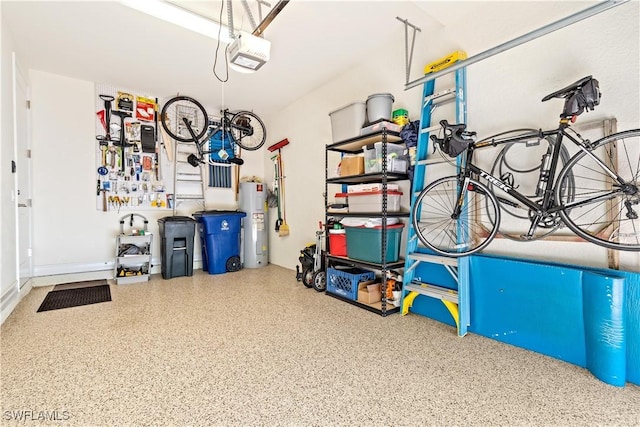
point(75, 297)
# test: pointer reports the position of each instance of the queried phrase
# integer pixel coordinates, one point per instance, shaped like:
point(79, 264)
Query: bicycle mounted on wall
point(243, 128)
point(594, 196)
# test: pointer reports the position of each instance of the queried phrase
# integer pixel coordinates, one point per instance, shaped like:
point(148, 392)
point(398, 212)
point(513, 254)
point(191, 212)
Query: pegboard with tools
point(130, 164)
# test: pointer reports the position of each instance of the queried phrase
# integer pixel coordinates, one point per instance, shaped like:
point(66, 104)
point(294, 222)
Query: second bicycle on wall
point(594, 191)
point(217, 139)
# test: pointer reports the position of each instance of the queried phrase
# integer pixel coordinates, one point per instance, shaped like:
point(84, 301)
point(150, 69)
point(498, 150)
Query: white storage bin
point(376, 127)
point(371, 201)
point(346, 122)
point(396, 159)
point(371, 164)
point(393, 150)
point(341, 198)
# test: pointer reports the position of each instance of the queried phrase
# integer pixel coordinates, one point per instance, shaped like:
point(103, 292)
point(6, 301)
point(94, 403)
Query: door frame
point(20, 79)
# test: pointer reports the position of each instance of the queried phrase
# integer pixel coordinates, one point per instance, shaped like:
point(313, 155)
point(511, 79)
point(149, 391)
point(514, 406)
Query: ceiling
point(313, 41)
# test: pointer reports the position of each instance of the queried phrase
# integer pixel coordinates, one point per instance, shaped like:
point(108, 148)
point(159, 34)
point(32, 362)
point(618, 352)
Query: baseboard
point(56, 269)
point(48, 275)
point(10, 299)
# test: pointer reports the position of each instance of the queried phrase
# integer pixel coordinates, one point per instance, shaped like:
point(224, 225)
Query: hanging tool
point(276, 189)
point(167, 142)
point(103, 140)
point(122, 142)
point(237, 171)
point(283, 230)
point(155, 144)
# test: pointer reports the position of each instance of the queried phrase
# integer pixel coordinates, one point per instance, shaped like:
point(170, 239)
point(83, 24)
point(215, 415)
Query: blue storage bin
point(345, 282)
point(220, 237)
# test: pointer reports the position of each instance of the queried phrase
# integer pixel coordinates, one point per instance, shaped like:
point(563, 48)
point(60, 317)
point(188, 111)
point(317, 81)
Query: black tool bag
point(585, 97)
point(453, 146)
point(456, 139)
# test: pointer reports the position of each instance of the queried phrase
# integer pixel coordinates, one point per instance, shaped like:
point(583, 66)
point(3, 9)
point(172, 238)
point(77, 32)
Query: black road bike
point(186, 120)
point(595, 194)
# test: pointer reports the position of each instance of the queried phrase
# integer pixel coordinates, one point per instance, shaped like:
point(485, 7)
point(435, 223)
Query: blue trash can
point(220, 237)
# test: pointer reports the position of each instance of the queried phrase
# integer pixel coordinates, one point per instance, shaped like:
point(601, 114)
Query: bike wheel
point(438, 229)
point(184, 107)
point(247, 130)
point(602, 210)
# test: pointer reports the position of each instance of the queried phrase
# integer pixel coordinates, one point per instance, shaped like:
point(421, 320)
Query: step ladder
point(188, 181)
point(419, 258)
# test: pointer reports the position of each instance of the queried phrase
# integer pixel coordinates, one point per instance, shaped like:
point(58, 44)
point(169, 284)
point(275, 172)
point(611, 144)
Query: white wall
point(507, 89)
point(306, 123)
point(71, 235)
point(504, 92)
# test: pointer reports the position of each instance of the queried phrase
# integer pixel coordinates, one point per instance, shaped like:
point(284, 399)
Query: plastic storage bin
point(347, 121)
point(365, 244)
point(345, 282)
point(372, 186)
point(220, 238)
point(396, 158)
point(371, 201)
point(379, 106)
point(176, 245)
point(377, 127)
point(338, 242)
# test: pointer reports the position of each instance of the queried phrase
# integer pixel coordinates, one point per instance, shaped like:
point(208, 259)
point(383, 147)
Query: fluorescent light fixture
point(181, 17)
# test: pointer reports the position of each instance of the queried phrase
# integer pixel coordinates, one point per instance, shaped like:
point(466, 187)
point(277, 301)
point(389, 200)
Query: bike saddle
point(569, 90)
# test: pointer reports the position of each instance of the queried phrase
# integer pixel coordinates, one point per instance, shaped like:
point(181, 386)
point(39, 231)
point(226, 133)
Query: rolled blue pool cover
point(604, 324)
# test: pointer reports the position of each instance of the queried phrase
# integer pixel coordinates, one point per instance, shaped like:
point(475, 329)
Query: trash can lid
point(218, 212)
point(176, 218)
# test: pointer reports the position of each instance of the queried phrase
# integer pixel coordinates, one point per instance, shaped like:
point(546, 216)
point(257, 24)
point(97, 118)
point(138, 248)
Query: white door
point(23, 173)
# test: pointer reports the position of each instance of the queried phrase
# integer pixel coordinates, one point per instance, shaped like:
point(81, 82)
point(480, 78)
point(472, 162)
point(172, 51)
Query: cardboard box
point(369, 292)
point(352, 165)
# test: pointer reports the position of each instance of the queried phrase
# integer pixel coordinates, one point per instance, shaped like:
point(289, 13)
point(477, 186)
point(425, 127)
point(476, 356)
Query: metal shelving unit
point(353, 146)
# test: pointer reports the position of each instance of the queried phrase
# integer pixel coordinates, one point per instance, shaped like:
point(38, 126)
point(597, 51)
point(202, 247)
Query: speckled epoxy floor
point(258, 348)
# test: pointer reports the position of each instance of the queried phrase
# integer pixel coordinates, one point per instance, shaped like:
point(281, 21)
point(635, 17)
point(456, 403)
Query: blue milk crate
point(345, 282)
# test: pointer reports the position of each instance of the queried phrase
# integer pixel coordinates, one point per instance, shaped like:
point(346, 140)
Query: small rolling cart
point(133, 252)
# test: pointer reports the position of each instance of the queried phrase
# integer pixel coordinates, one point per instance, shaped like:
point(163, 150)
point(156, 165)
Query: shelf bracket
point(408, 56)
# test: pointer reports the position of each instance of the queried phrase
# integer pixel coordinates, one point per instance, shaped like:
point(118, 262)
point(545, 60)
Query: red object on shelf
point(338, 242)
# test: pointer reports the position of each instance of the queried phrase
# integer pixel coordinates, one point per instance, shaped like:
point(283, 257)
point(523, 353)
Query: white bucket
point(379, 106)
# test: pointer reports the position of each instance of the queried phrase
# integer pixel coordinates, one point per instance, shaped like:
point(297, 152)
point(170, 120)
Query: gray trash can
point(176, 245)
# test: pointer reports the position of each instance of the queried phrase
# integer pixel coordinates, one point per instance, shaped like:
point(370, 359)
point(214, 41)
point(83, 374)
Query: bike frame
point(548, 201)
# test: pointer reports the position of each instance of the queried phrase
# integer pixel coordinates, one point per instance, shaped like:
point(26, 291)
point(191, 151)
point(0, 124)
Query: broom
point(284, 227)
